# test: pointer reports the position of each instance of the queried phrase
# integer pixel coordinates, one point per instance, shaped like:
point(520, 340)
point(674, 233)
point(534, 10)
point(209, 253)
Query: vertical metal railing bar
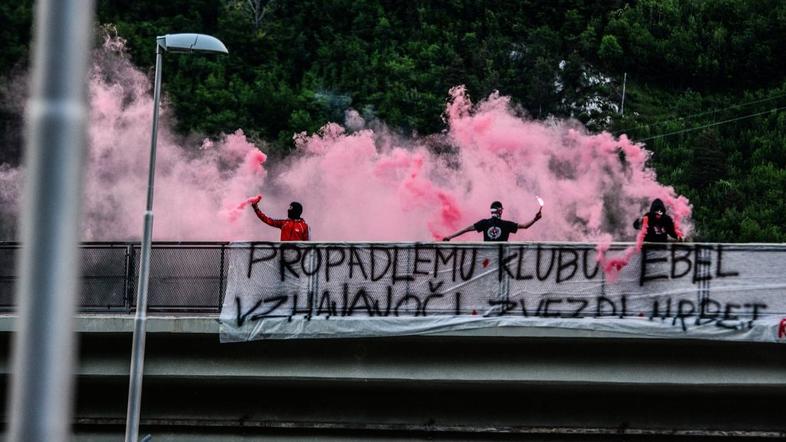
point(132, 279)
point(129, 275)
point(221, 279)
point(312, 286)
point(11, 249)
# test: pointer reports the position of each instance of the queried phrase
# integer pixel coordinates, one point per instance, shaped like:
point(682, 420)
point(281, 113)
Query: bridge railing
point(185, 276)
point(192, 276)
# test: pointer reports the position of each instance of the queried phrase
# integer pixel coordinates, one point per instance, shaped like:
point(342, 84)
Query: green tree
point(610, 51)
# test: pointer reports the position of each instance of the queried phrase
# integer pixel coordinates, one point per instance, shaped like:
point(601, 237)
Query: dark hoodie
point(659, 225)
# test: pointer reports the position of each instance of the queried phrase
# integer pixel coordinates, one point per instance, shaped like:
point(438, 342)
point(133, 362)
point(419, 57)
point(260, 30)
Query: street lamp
point(176, 43)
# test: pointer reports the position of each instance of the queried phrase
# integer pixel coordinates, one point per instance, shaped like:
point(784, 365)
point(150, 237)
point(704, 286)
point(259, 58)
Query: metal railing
point(184, 277)
point(190, 277)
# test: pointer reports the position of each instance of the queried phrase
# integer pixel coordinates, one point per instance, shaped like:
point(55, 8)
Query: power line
point(718, 123)
point(736, 106)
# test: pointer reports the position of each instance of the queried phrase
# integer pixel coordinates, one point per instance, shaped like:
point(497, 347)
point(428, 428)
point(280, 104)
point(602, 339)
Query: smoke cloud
point(358, 183)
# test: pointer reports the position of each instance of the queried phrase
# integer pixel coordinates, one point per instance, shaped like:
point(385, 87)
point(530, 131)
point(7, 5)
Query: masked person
point(294, 228)
point(495, 228)
point(657, 225)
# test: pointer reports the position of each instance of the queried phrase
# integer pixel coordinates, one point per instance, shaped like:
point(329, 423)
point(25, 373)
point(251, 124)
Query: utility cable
point(736, 106)
point(717, 123)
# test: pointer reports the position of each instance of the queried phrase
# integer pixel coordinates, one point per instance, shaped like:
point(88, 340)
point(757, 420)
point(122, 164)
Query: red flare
point(234, 214)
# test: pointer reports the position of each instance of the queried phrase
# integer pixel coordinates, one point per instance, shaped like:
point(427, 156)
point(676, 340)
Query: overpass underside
point(482, 385)
point(488, 383)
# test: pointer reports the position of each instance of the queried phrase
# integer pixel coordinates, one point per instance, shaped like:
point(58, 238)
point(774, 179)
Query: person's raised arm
point(538, 216)
point(264, 218)
point(460, 232)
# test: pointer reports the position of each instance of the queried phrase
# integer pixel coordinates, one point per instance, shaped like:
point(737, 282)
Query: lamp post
point(177, 43)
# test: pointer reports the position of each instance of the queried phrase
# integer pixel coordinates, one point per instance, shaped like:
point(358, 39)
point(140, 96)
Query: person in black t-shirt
point(495, 228)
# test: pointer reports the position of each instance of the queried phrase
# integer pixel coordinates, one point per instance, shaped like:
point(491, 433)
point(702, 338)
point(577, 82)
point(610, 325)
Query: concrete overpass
point(486, 384)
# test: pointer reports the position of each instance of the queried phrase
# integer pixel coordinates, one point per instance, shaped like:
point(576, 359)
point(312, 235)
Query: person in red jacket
point(294, 228)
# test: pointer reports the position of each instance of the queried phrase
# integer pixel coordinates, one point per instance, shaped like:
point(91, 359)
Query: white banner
point(676, 290)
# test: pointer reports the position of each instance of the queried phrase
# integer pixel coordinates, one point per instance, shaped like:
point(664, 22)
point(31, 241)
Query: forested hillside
point(705, 86)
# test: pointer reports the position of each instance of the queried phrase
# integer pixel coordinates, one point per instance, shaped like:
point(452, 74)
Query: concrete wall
point(491, 384)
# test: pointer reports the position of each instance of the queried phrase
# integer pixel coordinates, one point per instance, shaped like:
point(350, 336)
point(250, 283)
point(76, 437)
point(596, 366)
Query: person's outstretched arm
point(538, 216)
point(674, 230)
point(460, 232)
point(266, 219)
point(643, 226)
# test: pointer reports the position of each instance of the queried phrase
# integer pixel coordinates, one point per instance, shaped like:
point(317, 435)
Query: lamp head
point(191, 43)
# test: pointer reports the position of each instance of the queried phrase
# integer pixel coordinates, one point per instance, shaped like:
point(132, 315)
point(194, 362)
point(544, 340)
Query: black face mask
point(658, 206)
point(295, 210)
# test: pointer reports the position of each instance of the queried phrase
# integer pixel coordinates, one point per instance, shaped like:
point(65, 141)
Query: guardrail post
point(128, 297)
point(313, 284)
point(221, 279)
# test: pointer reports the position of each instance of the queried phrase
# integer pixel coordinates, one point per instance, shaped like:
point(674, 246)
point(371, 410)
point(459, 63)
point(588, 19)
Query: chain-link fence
point(184, 277)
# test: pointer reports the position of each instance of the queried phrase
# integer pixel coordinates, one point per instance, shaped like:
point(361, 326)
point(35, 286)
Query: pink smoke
point(612, 266)
point(236, 212)
point(373, 186)
point(362, 184)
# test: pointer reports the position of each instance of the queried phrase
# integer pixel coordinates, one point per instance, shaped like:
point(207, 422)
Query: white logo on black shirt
point(494, 232)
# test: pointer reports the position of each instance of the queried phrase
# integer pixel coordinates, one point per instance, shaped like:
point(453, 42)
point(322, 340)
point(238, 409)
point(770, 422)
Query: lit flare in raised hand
point(233, 214)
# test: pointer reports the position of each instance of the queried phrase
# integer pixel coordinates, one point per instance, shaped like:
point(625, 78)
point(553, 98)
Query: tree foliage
point(704, 91)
